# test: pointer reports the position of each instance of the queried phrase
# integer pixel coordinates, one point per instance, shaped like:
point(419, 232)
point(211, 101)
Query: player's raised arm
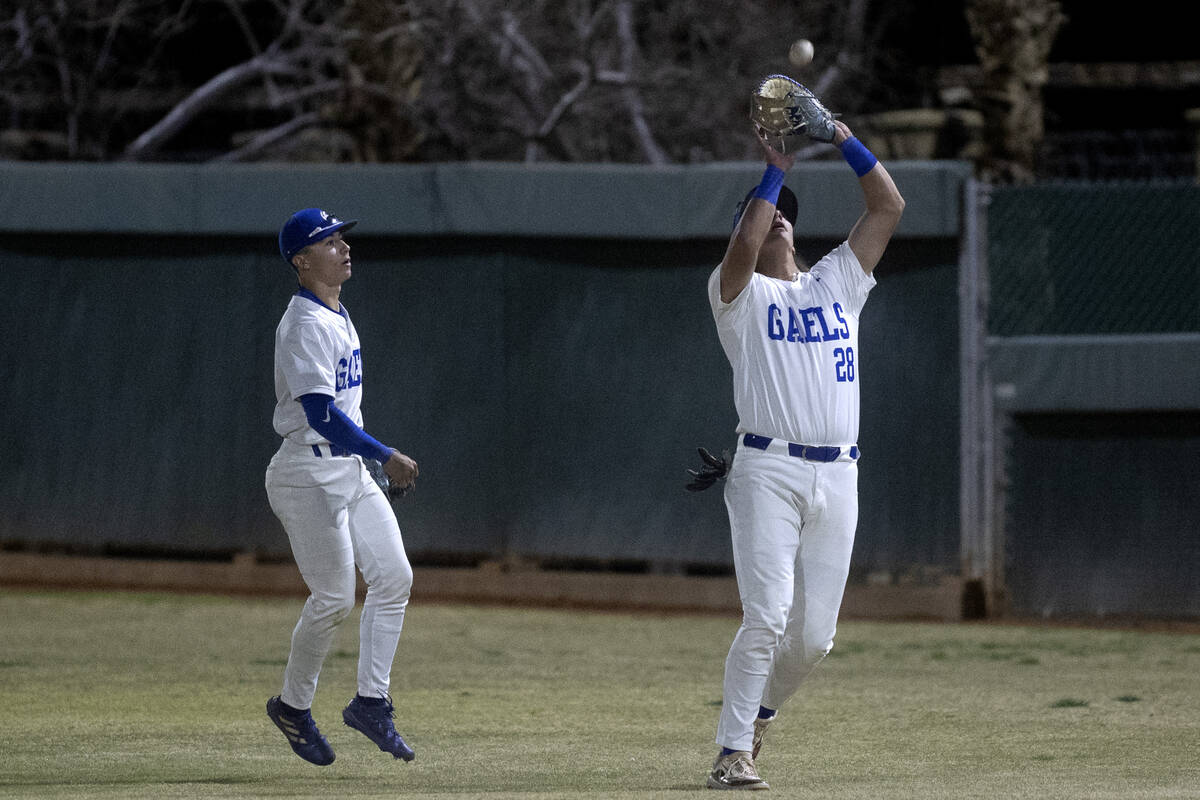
point(741, 256)
point(871, 234)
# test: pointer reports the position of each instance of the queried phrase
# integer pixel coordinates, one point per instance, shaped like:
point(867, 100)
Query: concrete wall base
point(489, 584)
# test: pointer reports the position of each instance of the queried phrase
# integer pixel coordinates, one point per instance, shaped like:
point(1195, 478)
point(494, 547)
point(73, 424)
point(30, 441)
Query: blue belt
point(809, 452)
point(334, 450)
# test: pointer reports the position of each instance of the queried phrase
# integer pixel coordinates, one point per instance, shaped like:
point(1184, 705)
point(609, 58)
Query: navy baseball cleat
point(374, 720)
point(301, 733)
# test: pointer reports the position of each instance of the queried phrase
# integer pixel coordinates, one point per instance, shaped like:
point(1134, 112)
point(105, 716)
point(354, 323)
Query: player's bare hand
point(841, 132)
point(784, 161)
point(401, 469)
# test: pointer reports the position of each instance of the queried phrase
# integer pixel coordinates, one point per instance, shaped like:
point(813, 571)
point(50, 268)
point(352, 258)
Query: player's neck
point(777, 259)
point(329, 295)
point(783, 269)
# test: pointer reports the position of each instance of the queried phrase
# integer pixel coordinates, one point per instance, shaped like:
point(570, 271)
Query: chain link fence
point(1143, 154)
point(1080, 413)
point(1095, 258)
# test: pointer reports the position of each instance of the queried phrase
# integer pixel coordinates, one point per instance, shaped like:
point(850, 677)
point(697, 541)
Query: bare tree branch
point(512, 34)
point(562, 105)
point(205, 96)
point(115, 23)
point(633, 99)
point(412, 79)
point(235, 10)
point(269, 138)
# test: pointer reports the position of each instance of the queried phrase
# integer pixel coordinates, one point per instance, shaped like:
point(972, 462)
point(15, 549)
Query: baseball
point(801, 52)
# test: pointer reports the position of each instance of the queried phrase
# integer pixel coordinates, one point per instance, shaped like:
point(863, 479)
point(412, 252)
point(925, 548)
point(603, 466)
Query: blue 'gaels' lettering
point(349, 372)
point(837, 312)
point(810, 324)
point(806, 324)
point(774, 323)
point(826, 334)
point(793, 327)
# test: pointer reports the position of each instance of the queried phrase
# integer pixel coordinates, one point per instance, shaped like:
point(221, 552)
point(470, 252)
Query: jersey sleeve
point(308, 358)
point(727, 314)
point(842, 267)
point(327, 419)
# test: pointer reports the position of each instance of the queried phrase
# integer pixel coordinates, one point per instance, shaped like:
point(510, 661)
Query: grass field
point(110, 695)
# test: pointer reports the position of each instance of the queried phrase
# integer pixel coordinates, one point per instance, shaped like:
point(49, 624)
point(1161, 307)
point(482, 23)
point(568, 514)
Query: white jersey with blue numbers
point(316, 352)
point(793, 347)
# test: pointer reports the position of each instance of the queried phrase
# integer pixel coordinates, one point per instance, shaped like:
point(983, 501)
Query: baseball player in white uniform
point(791, 336)
point(336, 516)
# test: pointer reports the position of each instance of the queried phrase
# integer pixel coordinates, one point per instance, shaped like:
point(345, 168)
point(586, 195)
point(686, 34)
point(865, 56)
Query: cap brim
point(332, 229)
point(786, 203)
point(327, 232)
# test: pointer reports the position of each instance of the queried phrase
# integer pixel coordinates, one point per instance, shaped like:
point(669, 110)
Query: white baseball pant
point(337, 518)
point(792, 523)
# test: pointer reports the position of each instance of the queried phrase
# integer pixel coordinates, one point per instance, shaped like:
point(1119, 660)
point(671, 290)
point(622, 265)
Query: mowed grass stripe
point(151, 695)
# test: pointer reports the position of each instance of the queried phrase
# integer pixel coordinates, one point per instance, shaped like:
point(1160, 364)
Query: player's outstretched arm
point(741, 256)
point(870, 235)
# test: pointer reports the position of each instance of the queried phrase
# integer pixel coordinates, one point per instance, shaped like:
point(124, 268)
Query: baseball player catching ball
point(791, 336)
point(336, 516)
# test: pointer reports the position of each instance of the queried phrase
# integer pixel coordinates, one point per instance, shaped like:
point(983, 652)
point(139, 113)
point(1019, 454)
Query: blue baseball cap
point(306, 227)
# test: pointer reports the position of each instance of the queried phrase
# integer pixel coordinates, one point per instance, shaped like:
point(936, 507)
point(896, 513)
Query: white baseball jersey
point(793, 347)
point(316, 352)
point(335, 515)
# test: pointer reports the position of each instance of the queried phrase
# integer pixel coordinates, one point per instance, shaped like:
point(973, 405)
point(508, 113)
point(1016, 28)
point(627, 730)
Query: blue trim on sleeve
point(328, 420)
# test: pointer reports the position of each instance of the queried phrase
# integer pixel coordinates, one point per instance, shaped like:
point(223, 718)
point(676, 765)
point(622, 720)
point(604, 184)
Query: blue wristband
point(772, 182)
point(860, 159)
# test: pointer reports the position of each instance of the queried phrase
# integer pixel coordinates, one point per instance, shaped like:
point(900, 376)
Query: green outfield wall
point(538, 339)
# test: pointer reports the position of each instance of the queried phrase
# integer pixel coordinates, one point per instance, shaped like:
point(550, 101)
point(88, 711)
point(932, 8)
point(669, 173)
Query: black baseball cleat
point(374, 720)
point(301, 733)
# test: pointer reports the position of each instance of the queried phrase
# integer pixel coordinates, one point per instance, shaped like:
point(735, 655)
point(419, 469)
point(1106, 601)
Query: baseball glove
point(784, 110)
point(714, 469)
point(390, 489)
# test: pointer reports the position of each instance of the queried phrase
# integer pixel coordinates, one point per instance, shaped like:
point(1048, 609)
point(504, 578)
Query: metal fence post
point(980, 558)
